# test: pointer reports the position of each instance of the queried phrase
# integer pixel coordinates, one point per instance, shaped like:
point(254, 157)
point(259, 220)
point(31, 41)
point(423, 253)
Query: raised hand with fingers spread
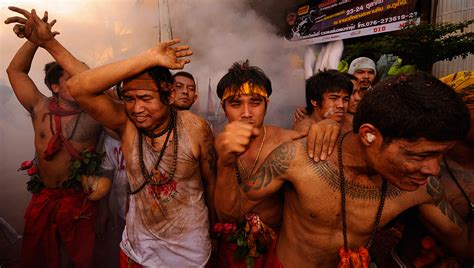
point(167, 55)
point(31, 27)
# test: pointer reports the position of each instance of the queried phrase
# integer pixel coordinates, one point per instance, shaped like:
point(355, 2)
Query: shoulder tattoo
point(277, 164)
point(436, 191)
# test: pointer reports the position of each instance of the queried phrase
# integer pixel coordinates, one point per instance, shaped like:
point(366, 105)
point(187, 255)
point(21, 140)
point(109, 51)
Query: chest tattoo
point(329, 175)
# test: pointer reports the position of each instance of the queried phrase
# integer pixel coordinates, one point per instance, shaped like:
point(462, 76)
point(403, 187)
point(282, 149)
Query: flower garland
point(88, 165)
point(251, 237)
point(35, 184)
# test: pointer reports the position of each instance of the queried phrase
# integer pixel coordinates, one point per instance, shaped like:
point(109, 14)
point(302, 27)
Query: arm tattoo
point(276, 165)
point(436, 191)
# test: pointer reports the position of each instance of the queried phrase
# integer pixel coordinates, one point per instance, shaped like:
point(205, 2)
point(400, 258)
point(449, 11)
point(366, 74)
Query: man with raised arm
point(333, 208)
point(170, 171)
point(59, 218)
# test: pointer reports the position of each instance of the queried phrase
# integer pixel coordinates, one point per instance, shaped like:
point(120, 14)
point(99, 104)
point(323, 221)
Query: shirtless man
point(244, 92)
point(417, 247)
point(327, 97)
point(405, 149)
point(62, 131)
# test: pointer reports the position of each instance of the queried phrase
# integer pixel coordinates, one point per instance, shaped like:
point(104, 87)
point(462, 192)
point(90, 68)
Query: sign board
point(331, 20)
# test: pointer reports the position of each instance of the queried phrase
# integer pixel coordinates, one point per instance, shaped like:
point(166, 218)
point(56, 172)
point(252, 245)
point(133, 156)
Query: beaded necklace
point(363, 251)
point(153, 135)
point(149, 179)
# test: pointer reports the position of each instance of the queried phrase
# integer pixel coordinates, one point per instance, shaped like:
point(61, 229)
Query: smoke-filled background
point(219, 32)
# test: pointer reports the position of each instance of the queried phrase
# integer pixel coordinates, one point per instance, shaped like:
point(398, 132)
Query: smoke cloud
point(97, 32)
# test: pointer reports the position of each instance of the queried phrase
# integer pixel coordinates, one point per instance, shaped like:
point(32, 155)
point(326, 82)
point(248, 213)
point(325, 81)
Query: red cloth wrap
point(126, 262)
point(271, 258)
point(57, 216)
point(58, 140)
point(225, 257)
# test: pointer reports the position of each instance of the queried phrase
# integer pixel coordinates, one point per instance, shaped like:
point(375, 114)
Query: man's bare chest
point(78, 128)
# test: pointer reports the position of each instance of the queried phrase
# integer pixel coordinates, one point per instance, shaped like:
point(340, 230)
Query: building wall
point(454, 11)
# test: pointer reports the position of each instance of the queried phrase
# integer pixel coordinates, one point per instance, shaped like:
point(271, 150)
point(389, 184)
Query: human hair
point(350, 76)
point(161, 77)
point(240, 73)
point(414, 106)
point(325, 81)
point(52, 72)
point(184, 74)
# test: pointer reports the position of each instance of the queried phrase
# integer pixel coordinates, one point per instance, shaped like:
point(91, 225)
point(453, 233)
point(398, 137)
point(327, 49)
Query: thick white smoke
point(220, 32)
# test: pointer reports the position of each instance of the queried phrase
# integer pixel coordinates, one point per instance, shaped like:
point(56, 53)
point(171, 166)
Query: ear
point(314, 103)
point(55, 88)
point(267, 100)
point(369, 134)
point(172, 96)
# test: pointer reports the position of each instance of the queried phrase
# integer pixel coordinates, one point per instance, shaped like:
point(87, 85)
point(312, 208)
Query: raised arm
point(25, 90)
point(443, 221)
point(87, 87)
point(38, 31)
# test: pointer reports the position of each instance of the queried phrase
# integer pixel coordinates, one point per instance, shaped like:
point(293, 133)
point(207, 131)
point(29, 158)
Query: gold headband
point(247, 88)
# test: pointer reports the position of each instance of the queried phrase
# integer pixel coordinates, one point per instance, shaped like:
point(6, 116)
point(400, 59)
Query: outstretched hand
point(31, 27)
point(167, 55)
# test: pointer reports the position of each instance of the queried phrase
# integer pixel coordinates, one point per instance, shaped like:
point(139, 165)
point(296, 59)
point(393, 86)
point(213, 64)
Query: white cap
point(361, 63)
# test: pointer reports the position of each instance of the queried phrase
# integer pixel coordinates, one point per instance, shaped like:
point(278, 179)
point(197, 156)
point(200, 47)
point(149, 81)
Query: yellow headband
point(246, 89)
point(463, 84)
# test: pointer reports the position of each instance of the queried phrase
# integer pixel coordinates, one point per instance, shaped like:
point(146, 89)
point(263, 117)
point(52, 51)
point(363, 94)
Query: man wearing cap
point(244, 92)
point(364, 69)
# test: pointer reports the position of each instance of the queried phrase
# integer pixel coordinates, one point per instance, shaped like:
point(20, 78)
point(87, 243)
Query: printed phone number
point(409, 16)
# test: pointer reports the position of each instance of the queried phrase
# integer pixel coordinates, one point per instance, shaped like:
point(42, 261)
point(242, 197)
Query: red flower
point(26, 165)
point(32, 170)
point(428, 242)
point(229, 227)
point(218, 227)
